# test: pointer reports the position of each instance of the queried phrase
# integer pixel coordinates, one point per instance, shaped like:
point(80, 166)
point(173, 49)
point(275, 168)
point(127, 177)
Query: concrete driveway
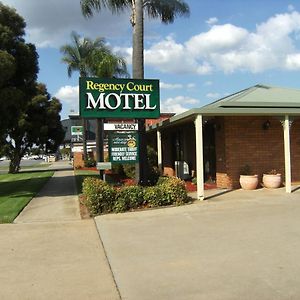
point(241, 245)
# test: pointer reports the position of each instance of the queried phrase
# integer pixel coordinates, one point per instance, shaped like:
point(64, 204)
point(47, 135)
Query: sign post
point(122, 99)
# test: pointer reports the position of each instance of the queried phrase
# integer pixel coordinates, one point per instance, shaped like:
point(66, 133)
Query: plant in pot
point(272, 179)
point(247, 180)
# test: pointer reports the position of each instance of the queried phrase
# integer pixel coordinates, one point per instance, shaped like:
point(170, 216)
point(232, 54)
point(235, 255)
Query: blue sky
point(223, 47)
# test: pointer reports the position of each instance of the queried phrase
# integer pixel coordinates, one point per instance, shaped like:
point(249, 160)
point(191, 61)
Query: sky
point(221, 48)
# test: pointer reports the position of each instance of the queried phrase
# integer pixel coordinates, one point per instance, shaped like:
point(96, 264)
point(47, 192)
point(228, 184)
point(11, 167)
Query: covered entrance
point(259, 126)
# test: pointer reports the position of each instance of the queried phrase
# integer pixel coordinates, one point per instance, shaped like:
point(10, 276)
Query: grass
point(81, 174)
point(41, 165)
point(16, 190)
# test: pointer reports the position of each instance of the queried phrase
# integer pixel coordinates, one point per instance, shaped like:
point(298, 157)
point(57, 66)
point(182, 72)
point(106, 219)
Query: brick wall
point(242, 140)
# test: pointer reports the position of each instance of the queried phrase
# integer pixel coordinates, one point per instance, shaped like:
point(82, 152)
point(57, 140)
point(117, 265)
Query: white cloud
point(208, 83)
point(274, 44)
point(178, 104)
point(69, 97)
point(170, 86)
point(191, 85)
point(49, 23)
point(212, 21)
point(291, 7)
point(213, 95)
point(293, 61)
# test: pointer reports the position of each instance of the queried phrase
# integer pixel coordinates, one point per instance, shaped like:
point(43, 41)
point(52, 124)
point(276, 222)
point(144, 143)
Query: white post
point(199, 157)
point(287, 154)
point(159, 151)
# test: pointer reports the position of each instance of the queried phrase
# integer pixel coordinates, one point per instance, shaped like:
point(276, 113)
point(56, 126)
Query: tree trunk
point(138, 73)
point(84, 128)
point(99, 143)
point(85, 156)
point(14, 165)
point(138, 41)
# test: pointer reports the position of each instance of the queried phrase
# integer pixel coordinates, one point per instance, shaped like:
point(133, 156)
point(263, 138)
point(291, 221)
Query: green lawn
point(81, 174)
point(16, 190)
point(41, 165)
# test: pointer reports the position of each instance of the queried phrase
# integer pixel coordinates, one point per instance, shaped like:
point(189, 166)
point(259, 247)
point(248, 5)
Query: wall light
point(266, 125)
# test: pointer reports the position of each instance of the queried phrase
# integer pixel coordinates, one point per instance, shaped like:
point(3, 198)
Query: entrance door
point(209, 152)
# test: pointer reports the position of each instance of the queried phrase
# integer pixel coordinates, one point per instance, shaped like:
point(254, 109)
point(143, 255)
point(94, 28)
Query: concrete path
point(241, 245)
point(50, 253)
point(57, 201)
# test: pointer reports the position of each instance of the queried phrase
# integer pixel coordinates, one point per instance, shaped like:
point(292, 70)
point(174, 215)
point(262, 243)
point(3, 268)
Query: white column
point(287, 154)
point(159, 151)
point(199, 157)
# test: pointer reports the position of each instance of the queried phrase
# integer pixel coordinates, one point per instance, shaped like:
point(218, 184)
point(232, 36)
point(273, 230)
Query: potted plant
point(247, 180)
point(272, 179)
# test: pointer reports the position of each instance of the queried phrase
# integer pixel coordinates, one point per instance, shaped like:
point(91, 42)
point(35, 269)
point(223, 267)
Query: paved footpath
point(50, 253)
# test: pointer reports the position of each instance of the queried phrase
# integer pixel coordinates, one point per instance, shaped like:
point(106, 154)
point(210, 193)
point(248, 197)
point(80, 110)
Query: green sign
point(119, 98)
point(123, 148)
point(76, 130)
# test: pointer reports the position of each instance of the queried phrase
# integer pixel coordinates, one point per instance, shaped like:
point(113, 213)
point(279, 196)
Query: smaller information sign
point(76, 130)
point(123, 148)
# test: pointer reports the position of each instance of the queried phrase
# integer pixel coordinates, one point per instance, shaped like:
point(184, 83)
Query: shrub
point(89, 163)
point(129, 170)
point(153, 196)
point(194, 180)
point(100, 196)
point(128, 197)
point(173, 191)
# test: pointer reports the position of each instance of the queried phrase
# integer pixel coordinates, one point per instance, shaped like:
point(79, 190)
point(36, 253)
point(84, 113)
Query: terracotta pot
point(249, 182)
point(272, 181)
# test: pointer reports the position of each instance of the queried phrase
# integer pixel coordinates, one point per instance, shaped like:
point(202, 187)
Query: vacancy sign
point(121, 126)
point(119, 98)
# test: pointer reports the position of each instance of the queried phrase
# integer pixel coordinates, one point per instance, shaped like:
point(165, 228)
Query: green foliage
point(27, 114)
point(100, 196)
point(194, 180)
point(90, 162)
point(129, 170)
point(16, 190)
point(129, 197)
point(153, 196)
point(174, 191)
point(245, 170)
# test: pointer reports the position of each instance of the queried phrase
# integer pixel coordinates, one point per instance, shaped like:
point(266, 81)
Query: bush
point(128, 197)
point(153, 196)
point(89, 163)
point(173, 191)
point(100, 196)
point(129, 170)
point(103, 198)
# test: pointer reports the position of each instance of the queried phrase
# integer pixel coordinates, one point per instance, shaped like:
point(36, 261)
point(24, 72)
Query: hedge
point(103, 198)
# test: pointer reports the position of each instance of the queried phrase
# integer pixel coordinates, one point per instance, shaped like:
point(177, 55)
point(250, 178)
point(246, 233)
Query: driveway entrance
point(241, 245)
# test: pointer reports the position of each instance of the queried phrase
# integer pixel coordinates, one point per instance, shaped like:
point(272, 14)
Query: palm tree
point(78, 56)
point(105, 64)
point(166, 11)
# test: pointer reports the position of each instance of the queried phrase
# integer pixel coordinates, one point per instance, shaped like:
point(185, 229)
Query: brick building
point(75, 142)
point(258, 126)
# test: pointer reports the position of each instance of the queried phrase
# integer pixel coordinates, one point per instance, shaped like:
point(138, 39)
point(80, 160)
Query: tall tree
point(78, 57)
point(105, 64)
point(18, 68)
point(166, 11)
point(38, 124)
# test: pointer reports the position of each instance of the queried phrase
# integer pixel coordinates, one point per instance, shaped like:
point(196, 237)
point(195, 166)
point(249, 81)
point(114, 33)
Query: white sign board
point(121, 126)
point(103, 165)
